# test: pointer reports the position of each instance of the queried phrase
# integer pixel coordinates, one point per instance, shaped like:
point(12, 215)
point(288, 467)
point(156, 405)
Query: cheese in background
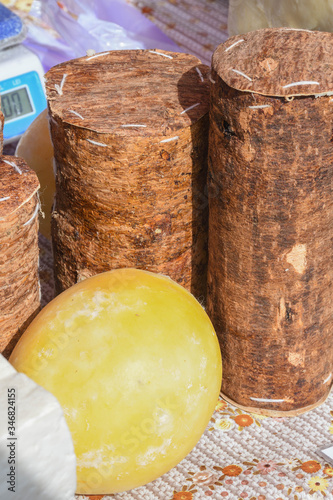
point(35, 147)
point(37, 459)
point(250, 15)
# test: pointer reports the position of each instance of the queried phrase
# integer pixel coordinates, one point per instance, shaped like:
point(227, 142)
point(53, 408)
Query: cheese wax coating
point(134, 360)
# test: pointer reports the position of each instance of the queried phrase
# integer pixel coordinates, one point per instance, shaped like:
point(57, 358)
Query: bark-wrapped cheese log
point(2, 121)
point(19, 283)
point(130, 135)
point(270, 270)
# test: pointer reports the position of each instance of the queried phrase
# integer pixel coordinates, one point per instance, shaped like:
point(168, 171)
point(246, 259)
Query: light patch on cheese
point(95, 306)
point(163, 420)
point(203, 364)
point(194, 339)
point(104, 457)
point(153, 453)
point(194, 398)
point(176, 374)
point(70, 412)
point(297, 258)
point(46, 353)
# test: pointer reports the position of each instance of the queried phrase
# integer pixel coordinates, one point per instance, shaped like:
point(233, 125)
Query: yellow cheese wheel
point(136, 365)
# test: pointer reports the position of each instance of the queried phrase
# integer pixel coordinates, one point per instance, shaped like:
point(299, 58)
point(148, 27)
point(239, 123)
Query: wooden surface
point(130, 196)
point(19, 285)
point(270, 242)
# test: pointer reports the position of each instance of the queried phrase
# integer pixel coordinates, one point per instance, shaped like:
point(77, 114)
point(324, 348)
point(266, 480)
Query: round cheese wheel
point(135, 362)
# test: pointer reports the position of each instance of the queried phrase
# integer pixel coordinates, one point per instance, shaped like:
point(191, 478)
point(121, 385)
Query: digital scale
point(22, 78)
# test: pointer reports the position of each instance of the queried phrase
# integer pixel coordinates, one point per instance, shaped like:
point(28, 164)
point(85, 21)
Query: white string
point(134, 125)
point(260, 107)
point(60, 87)
point(191, 107)
point(242, 74)
point(262, 400)
point(294, 84)
point(97, 55)
point(12, 164)
point(234, 44)
point(76, 113)
point(171, 139)
point(33, 215)
point(200, 74)
point(160, 54)
point(97, 143)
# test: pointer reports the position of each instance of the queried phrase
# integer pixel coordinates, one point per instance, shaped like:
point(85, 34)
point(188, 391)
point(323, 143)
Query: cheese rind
point(37, 457)
point(250, 15)
point(136, 365)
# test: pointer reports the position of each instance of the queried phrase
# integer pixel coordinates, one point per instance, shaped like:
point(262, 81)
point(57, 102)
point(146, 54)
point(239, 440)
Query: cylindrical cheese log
point(270, 270)
point(130, 134)
point(19, 283)
point(2, 121)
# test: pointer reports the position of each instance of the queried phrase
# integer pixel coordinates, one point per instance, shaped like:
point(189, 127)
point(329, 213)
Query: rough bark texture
point(2, 121)
point(130, 133)
point(270, 268)
point(19, 284)
point(277, 62)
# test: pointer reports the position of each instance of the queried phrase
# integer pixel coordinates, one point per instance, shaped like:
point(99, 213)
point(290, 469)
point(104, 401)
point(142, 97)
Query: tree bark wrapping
point(131, 168)
point(270, 270)
point(19, 281)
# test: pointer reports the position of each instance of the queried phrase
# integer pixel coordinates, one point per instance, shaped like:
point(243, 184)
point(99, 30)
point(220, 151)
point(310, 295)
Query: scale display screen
point(16, 104)
point(22, 99)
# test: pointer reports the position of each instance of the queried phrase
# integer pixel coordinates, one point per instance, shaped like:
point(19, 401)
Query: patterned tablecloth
point(240, 456)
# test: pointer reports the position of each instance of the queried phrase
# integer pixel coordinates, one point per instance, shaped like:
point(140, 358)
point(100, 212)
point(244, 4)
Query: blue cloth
point(12, 29)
